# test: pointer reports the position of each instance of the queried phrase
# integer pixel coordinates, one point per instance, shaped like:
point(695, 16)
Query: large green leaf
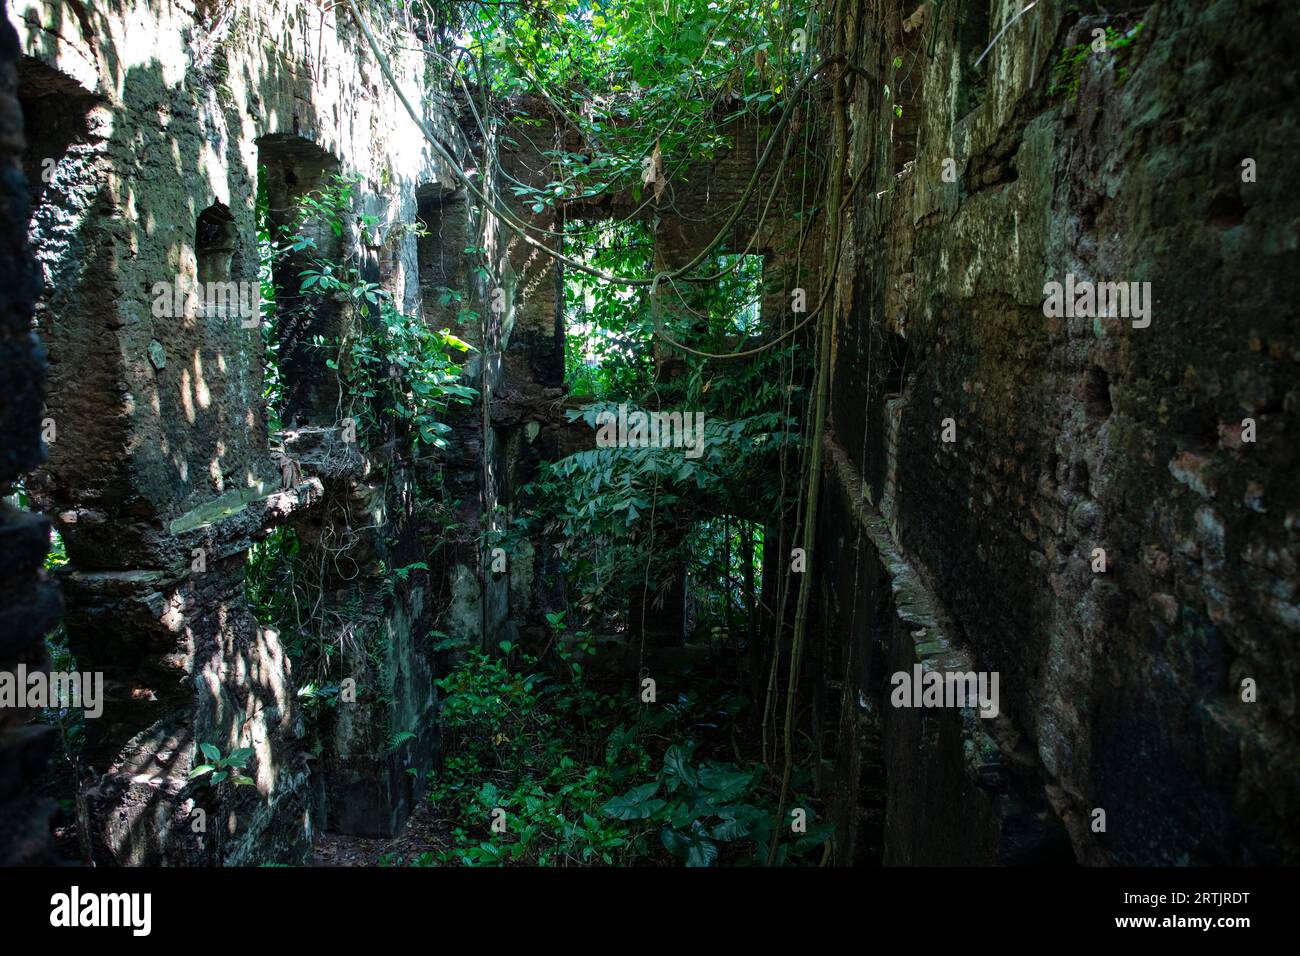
point(727, 781)
point(636, 804)
point(694, 846)
point(677, 767)
point(738, 822)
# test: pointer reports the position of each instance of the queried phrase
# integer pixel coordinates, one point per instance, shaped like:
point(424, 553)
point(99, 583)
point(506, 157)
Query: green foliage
point(398, 374)
point(58, 553)
point(284, 583)
point(698, 806)
point(219, 768)
point(563, 759)
point(57, 556)
point(721, 310)
point(390, 577)
point(532, 744)
point(395, 740)
point(267, 253)
point(599, 504)
point(276, 585)
point(398, 369)
point(608, 329)
point(724, 566)
point(635, 78)
point(64, 777)
point(601, 507)
point(399, 381)
point(643, 81)
point(1067, 72)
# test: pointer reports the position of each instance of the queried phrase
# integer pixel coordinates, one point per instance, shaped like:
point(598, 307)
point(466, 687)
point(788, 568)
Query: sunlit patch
point(201, 392)
point(187, 397)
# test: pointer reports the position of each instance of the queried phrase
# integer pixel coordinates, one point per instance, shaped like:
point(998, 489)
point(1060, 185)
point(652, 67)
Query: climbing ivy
point(394, 368)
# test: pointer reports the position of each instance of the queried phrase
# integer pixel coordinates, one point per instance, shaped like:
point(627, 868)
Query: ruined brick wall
point(1121, 690)
point(689, 209)
point(150, 124)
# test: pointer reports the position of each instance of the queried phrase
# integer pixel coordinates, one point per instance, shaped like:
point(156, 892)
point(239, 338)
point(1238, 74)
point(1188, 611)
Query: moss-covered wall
point(150, 123)
point(1121, 689)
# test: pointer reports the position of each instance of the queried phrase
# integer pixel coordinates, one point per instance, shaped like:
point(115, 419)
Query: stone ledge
point(961, 788)
point(914, 603)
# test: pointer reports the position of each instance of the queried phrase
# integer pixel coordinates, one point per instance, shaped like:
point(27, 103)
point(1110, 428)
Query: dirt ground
point(423, 833)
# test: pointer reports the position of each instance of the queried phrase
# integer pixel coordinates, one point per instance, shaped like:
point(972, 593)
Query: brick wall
point(1121, 690)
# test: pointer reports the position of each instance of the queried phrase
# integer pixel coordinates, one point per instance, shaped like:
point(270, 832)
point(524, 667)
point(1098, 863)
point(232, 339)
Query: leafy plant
point(703, 804)
point(531, 744)
point(218, 768)
point(598, 505)
point(562, 759)
point(395, 370)
point(396, 740)
point(635, 79)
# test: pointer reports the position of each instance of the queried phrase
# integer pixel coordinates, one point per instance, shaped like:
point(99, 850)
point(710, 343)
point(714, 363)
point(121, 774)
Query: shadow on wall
point(159, 420)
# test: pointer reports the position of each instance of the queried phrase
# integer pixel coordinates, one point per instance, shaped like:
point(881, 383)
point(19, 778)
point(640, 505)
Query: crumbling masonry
point(980, 453)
